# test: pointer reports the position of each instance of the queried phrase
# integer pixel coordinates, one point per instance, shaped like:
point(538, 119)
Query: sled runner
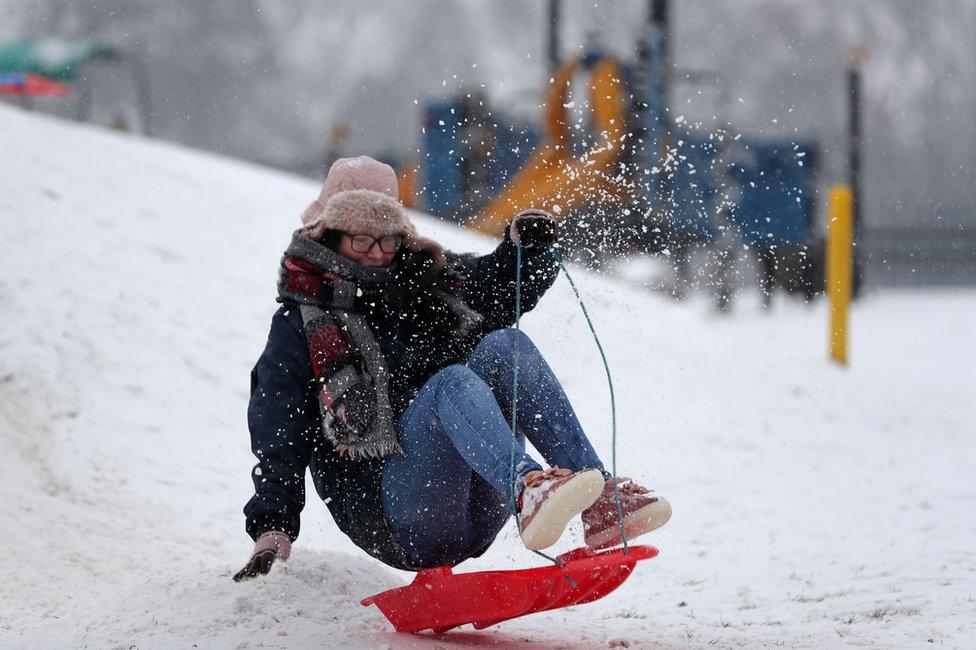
point(439, 600)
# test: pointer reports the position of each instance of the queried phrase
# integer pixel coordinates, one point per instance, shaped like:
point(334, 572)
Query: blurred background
point(704, 157)
point(727, 121)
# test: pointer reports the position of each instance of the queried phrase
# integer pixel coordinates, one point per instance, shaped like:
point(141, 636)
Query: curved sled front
point(438, 599)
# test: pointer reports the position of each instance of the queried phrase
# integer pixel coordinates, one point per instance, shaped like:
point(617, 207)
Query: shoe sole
point(572, 498)
point(642, 521)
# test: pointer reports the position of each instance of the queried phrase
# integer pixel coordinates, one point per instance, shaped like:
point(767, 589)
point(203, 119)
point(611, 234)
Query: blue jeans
point(451, 492)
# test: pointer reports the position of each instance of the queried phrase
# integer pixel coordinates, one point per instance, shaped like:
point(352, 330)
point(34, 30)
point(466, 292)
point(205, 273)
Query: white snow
point(814, 506)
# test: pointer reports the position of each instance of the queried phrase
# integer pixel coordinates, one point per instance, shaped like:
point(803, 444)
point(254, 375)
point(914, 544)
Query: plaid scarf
point(334, 295)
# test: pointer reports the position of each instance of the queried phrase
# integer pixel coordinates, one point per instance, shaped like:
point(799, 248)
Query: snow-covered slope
point(813, 506)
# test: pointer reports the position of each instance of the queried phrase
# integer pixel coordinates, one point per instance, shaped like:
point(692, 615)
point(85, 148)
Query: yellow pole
point(839, 267)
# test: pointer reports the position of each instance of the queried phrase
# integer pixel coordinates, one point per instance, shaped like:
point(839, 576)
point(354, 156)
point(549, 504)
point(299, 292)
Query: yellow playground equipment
point(553, 178)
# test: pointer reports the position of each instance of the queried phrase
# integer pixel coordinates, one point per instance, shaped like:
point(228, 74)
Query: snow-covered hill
point(813, 506)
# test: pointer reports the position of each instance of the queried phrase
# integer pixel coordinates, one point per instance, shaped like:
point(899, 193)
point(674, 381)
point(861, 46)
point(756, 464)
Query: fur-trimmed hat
point(360, 197)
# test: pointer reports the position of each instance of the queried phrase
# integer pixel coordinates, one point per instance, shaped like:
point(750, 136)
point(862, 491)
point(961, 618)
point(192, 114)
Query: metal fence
point(920, 256)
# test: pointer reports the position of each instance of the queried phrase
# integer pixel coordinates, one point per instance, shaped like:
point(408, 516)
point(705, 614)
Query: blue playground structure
point(455, 164)
point(776, 193)
point(772, 183)
point(668, 186)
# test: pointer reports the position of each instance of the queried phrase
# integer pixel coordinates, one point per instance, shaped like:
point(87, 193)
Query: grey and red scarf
point(335, 294)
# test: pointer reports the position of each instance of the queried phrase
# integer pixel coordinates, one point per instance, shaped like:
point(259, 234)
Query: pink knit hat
point(360, 197)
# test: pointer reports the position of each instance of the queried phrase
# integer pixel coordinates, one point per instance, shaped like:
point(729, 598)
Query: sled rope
point(515, 371)
point(613, 404)
point(515, 377)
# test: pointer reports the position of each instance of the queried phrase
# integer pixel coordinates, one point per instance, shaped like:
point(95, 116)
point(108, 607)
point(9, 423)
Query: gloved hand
point(533, 228)
point(270, 546)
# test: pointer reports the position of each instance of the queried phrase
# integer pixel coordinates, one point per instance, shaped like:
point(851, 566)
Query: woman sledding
point(388, 374)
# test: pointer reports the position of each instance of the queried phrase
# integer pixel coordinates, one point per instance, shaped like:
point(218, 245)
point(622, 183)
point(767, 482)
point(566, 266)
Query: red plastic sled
point(440, 600)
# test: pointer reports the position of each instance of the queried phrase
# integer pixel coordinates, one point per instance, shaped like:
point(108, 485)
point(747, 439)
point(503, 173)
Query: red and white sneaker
point(642, 514)
point(551, 499)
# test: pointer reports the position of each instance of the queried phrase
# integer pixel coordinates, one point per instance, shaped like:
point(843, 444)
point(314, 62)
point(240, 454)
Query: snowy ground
point(814, 507)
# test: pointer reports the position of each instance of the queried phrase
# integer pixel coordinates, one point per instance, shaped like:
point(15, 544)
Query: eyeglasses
point(365, 243)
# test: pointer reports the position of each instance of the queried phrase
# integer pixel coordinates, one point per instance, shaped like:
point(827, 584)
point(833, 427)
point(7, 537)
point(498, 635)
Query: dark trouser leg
point(488, 511)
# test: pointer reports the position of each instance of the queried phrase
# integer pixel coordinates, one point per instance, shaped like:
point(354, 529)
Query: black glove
point(533, 229)
point(269, 547)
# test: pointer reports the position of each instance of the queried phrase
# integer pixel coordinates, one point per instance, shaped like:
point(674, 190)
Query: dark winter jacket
point(284, 418)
